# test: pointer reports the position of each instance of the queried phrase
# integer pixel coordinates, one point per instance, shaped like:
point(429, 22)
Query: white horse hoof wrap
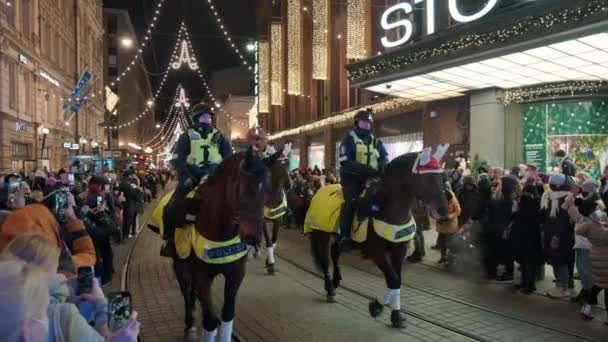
point(226, 331)
point(209, 336)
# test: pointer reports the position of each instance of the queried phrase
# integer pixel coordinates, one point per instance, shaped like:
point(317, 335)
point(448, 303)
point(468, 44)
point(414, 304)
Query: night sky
point(211, 48)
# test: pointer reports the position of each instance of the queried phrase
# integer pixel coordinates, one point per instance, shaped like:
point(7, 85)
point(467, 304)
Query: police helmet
point(365, 115)
point(200, 109)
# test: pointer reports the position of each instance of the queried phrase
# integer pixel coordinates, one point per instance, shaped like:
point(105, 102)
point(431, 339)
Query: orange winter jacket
point(37, 219)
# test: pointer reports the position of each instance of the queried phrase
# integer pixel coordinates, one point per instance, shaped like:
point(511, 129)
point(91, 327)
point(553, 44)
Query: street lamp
point(126, 42)
point(45, 132)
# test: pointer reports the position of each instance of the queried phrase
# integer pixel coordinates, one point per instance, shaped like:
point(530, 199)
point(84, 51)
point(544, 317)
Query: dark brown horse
point(392, 197)
point(183, 267)
point(275, 207)
point(231, 206)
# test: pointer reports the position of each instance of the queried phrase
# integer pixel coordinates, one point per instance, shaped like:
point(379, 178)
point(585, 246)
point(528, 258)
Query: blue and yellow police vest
point(367, 154)
point(203, 150)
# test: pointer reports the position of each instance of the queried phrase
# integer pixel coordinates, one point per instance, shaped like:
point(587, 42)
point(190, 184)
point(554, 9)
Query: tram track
point(567, 335)
point(411, 313)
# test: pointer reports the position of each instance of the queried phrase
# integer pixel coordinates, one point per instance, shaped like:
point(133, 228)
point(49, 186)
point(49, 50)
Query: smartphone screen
point(119, 309)
point(99, 200)
point(85, 279)
point(70, 179)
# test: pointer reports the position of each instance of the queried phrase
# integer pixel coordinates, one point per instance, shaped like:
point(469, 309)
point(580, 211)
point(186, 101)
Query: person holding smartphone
point(26, 266)
point(70, 234)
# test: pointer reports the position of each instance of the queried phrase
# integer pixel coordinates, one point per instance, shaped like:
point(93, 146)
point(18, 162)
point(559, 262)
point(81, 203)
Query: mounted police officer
point(196, 153)
point(362, 157)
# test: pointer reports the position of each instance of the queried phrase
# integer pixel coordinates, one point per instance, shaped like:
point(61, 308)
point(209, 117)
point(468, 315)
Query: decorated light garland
point(199, 72)
point(182, 100)
point(158, 91)
point(138, 53)
point(557, 89)
point(227, 36)
point(170, 117)
point(184, 56)
point(348, 115)
point(173, 128)
point(478, 40)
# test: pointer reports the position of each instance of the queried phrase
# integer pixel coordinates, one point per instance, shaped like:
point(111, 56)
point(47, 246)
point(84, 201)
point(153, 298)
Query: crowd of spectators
point(51, 226)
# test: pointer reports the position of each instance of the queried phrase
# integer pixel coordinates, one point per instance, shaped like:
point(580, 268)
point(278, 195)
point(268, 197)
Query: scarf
point(553, 197)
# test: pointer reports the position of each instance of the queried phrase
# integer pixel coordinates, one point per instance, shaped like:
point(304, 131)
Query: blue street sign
point(76, 105)
point(84, 79)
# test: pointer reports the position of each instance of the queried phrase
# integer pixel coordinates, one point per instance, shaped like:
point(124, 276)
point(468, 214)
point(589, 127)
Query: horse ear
point(441, 150)
point(425, 156)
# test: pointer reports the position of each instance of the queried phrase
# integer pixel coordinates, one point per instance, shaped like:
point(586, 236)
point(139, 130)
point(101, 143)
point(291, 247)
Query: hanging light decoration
point(276, 64)
point(320, 39)
point(294, 47)
point(264, 77)
point(171, 116)
point(184, 58)
point(222, 27)
point(182, 101)
point(138, 54)
point(357, 26)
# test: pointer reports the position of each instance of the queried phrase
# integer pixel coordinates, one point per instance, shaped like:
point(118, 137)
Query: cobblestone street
point(291, 306)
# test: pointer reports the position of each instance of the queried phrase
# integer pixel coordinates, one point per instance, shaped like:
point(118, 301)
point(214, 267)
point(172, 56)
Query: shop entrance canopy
point(535, 45)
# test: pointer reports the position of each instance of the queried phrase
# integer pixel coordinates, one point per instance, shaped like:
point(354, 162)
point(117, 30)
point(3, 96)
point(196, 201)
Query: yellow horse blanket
point(188, 240)
point(324, 215)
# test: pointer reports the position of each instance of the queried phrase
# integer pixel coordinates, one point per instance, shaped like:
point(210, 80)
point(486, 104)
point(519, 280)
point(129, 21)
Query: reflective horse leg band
point(209, 336)
point(271, 254)
point(226, 331)
point(395, 295)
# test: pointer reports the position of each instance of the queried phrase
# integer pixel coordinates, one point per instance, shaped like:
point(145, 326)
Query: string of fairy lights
point(138, 53)
point(227, 36)
point(167, 119)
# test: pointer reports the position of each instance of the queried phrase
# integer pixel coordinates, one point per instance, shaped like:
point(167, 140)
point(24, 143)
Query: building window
point(10, 14)
point(21, 150)
point(12, 86)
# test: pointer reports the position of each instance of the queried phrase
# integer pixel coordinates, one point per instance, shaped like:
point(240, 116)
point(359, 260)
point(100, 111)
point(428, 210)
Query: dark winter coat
point(525, 233)
point(558, 234)
point(468, 199)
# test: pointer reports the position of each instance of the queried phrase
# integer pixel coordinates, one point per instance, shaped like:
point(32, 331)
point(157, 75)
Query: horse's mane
point(401, 165)
point(227, 168)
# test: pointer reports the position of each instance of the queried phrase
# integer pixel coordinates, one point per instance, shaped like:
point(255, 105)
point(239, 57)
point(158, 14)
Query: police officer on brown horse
point(362, 157)
point(196, 153)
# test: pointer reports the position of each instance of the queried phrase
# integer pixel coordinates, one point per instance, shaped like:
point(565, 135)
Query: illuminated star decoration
point(183, 100)
point(185, 58)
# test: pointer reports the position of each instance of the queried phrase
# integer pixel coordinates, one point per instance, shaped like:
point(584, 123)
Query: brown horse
point(275, 207)
point(183, 267)
point(231, 207)
point(390, 200)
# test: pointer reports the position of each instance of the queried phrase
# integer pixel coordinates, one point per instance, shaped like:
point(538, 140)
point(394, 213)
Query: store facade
point(529, 73)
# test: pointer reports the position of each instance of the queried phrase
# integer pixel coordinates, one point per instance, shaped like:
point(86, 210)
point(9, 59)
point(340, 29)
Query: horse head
point(420, 175)
point(232, 198)
point(278, 163)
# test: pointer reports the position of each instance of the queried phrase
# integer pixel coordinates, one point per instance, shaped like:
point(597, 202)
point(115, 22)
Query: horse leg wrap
point(385, 299)
point(271, 254)
point(395, 298)
point(209, 336)
point(226, 331)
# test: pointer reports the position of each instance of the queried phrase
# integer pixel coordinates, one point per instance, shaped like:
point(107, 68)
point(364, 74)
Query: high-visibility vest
point(367, 154)
point(280, 210)
point(203, 150)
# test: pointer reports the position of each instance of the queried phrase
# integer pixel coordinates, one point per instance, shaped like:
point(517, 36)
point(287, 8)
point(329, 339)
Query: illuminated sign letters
point(400, 16)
